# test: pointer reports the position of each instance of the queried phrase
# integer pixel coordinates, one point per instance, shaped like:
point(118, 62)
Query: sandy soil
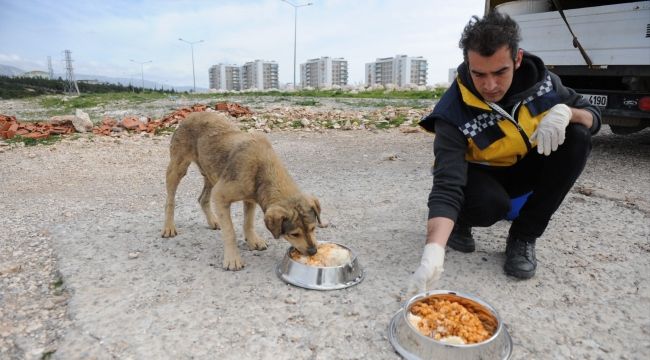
point(84, 273)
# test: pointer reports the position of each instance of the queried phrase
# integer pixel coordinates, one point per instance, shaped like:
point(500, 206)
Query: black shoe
point(461, 239)
point(520, 258)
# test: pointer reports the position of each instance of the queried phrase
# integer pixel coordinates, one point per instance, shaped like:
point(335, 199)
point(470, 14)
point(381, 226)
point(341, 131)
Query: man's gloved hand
point(551, 130)
point(429, 271)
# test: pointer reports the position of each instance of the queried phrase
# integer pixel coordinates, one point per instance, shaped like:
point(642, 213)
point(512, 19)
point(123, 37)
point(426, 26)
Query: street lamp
point(141, 69)
point(192, 46)
point(295, 30)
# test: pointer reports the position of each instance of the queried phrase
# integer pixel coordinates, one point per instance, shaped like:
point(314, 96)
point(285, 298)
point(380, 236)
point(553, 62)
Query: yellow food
point(444, 320)
point(328, 255)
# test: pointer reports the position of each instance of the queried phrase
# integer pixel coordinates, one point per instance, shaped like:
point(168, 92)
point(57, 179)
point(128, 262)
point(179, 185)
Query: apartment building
point(324, 72)
point(400, 71)
point(225, 77)
point(259, 74)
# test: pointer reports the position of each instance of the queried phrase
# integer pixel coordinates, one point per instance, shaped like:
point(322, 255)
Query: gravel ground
point(84, 273)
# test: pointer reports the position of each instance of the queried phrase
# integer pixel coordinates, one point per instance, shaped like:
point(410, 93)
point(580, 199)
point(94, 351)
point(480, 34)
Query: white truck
point(601, 49)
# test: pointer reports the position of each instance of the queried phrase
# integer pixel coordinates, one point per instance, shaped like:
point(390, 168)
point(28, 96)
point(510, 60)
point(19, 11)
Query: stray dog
point(238, 166)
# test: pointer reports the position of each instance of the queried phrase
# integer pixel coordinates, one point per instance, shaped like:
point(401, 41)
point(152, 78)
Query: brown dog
point(238, 166)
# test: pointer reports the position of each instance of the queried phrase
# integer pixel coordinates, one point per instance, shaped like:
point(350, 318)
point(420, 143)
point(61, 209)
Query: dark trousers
point(489, 189)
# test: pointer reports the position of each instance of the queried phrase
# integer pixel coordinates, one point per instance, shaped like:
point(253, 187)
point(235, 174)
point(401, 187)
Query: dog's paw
point(233, 263)
point(213, 224)
point(169, 231)
point(256, 243)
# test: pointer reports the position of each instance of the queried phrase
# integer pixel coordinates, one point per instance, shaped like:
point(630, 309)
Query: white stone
point(81, 121)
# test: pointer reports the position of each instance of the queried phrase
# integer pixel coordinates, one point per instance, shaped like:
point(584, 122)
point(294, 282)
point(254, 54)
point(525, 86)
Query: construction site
point(85, 274)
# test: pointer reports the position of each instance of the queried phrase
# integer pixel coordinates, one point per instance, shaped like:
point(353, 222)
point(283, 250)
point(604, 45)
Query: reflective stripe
point(512, 119)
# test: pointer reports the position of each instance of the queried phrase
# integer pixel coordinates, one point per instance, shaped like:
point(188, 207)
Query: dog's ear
point(274, 217)
point(315, 207)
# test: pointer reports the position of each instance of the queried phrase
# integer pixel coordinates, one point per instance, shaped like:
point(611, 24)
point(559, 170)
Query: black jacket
point(450, 144)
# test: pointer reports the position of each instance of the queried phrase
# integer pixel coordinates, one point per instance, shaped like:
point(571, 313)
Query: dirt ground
point(84, 273)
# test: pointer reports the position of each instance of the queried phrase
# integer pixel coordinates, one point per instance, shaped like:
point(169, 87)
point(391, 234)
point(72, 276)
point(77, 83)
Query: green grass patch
point(164, 130)
point(33, 142)
point(387, 124)
point(309, 102)
point(382, 124)
point(369, 94)
point(66, 104)
point(57, 285)
point(296, 124)
point(48, 355)
point(397, 121)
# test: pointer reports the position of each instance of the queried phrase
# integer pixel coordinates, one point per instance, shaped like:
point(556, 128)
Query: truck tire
point(626, 130)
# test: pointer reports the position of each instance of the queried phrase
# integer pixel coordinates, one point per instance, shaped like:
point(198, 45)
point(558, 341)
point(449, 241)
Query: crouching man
point(506, 127)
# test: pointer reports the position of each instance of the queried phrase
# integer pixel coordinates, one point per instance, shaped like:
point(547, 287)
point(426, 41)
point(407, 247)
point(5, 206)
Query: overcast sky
point(104, 36)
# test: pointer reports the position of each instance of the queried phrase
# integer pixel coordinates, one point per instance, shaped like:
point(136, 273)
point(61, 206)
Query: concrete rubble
point(267, 120)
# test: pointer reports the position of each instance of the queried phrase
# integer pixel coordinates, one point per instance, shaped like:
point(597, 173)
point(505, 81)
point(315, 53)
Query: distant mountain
point(135, 81)
point(7, 70)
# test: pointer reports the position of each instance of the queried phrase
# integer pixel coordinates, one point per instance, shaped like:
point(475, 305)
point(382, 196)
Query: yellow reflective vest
point(493, 138)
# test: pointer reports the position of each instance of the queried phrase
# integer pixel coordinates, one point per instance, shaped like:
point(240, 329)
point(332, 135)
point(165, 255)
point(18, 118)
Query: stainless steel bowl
point(409, 343)
point(320, 278)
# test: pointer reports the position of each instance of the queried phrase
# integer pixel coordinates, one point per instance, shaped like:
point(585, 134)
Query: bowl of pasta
point(446, 324)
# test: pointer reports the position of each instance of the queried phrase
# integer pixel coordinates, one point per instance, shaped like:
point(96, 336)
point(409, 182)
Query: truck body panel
point(616, 38)
point(612, 35)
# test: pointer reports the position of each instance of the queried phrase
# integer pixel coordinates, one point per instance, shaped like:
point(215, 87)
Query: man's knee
point(487, 210)
point(578, 135)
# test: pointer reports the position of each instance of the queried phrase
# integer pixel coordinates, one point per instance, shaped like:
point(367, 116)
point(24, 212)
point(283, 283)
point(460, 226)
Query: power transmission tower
point(50, 71)
point(70, 86)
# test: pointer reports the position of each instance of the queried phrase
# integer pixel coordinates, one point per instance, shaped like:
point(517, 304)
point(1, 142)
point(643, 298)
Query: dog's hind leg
point(231, 257)
point(204, 200)
point(176, 169)
point(254, 242)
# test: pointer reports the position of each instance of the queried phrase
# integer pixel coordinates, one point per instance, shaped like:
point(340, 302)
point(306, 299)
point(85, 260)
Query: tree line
point(22, 87)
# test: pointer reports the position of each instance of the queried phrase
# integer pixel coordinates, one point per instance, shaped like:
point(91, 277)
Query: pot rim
point(353, 257)
point(406, 306)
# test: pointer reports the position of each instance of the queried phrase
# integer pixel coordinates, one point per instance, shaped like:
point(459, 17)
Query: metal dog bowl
point(320, 278)
point(411, 344)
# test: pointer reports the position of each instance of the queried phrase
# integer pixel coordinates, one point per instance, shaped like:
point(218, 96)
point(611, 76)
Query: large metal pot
point(320, 278)
point(411, 344)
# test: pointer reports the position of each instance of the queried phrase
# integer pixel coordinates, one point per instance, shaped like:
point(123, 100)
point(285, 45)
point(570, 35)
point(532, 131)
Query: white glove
point(551, 130)
point(429, 271)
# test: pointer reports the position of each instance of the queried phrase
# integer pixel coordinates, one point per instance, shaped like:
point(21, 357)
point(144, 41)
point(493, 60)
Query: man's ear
point(274, 216)
point(518, 58)
point(315, 207)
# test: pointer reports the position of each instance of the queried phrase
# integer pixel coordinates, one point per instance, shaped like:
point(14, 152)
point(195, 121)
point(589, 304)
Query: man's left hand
point(551, 130)
point(429, 271)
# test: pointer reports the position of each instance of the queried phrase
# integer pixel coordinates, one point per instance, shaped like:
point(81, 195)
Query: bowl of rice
point(446, 324)
point(333, 267)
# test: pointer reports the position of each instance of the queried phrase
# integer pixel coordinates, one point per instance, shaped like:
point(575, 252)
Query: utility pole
point(50, 70)
point(141, 69)
point(192, 46)
point(295, 31)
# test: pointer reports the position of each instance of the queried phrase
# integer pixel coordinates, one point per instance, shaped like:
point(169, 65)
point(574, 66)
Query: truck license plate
point(598, 100)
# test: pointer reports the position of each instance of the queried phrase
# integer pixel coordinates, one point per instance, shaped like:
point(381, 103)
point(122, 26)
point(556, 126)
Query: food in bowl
point(328, 255)
point(448, 321)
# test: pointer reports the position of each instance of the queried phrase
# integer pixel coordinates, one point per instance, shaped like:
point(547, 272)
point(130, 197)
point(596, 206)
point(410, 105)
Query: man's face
point(492, 75)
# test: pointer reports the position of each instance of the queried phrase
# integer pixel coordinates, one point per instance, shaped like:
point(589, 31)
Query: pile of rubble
point(314, 119)
point(10, 127)
point(80, 122)
point(274, 118)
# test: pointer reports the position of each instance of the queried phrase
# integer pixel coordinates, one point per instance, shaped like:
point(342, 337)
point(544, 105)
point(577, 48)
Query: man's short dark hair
point(489, 34)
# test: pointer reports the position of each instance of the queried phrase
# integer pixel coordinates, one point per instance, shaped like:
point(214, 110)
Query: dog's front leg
point(231, 258)
point(176, 169)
